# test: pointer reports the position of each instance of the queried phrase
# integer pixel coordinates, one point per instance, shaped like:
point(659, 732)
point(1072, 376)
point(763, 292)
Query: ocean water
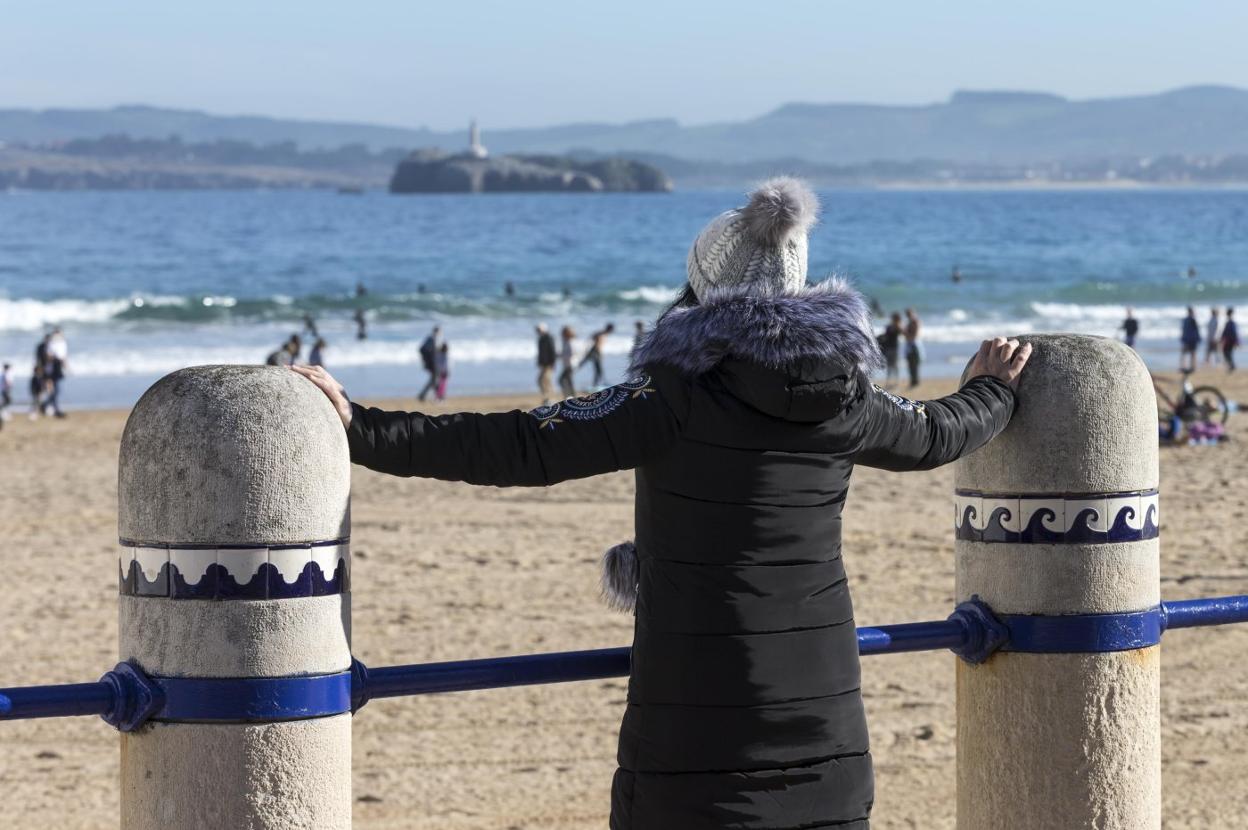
point(147, 282)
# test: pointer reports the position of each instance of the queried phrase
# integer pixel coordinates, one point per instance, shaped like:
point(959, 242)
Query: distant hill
point(54, 125)
point(971, 127)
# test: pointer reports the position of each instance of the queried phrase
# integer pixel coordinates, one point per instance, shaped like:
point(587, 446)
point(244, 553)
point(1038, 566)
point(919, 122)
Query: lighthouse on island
point(476, 149)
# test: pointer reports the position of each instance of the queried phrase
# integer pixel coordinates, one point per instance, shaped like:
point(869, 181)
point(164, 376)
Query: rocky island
point(475, 171)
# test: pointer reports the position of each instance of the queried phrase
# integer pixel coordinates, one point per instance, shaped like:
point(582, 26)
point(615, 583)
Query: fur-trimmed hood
point(828, 322)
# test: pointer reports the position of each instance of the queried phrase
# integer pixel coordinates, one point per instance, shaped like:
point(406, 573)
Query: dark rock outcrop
point(429, 171)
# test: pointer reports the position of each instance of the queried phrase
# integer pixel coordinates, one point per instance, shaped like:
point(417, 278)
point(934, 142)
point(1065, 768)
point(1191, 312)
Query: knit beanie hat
point(757, 249)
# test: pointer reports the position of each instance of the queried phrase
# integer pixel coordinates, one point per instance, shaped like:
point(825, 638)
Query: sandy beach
point(486, 572)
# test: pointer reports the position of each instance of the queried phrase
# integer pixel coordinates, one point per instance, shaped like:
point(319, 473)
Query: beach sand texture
point(447, 571)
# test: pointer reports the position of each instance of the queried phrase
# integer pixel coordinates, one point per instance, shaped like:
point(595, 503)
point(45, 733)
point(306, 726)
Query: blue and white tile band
point(1086, 518)
point(231, 572)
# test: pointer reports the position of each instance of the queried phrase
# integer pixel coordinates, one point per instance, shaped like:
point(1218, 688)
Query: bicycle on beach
point(1193, 405)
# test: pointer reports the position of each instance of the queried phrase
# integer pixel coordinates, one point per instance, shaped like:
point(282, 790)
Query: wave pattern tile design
point(236, 572)
point(1081, 519)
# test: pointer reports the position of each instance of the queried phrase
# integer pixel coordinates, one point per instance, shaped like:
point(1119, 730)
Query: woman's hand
point(1000, 358)
point(332, 389)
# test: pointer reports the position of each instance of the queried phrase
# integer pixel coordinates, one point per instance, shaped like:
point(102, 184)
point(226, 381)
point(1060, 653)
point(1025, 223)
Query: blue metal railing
point(1194, 613)
point(126, 697)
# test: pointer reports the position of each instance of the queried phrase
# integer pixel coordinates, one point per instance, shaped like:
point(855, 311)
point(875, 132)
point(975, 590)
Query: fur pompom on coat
point(620, 574)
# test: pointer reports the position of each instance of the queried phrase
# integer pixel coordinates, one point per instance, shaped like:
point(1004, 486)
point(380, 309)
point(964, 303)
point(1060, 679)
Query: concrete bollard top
point(233, 455)
point(1086, 423)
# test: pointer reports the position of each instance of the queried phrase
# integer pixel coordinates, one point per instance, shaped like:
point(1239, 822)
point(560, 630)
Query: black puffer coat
point(744, 420)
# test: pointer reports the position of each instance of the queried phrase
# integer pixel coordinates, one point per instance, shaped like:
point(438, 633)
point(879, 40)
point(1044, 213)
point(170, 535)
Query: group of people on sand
point(51, 364)
point(563, 356)
point(1220, 339)
point(290, 353)
point(46, 376)
point(435, 358)
point(899, 332)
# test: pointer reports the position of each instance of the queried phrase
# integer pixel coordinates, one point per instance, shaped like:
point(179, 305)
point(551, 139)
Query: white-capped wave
point(32, 315)
point(1157, 323)
point(655, 294)
point(1083, 313)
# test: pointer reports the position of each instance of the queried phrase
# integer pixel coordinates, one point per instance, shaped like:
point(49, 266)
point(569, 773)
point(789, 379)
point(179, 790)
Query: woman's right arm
point(617, 428)
point(901, 434)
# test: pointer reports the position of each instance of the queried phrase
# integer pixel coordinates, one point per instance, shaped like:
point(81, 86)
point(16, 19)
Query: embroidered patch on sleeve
point(594, 405)
point(904, 403)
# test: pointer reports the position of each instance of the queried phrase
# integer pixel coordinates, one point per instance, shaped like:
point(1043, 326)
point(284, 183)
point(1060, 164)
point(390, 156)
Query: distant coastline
point(1187, 138)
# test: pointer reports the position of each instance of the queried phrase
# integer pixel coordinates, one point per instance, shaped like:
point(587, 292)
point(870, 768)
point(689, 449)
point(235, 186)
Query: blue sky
point(535, 63)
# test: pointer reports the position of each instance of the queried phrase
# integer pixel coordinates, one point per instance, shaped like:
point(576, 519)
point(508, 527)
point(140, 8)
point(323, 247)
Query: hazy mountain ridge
point(971, 127)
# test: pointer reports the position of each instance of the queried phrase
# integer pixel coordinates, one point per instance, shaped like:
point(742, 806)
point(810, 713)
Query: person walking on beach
point(546, 360)
point(6, 392)
point(1189, 342)
point(567, 360)
point(56, 363)
point(890, 346)
point(442, 366)
point(914, 348)
point(38, 390)
point(317, 356)
point(1130, 328)
point(1212, 329)
point(745, 411)
point(39, 378)
point(639, 333)
point(597, 343)
point(429, 360)
point(1230, 339)
point(53, 374)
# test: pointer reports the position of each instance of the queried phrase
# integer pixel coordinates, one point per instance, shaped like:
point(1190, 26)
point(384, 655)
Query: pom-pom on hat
point(760, 248)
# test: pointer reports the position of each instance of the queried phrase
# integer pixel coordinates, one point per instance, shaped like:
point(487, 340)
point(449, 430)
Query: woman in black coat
point(747, 407)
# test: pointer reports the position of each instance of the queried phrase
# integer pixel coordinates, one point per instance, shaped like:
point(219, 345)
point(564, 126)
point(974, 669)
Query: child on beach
point(567, 360)
point(39, 380)
point(442, 366)
point(748, 404)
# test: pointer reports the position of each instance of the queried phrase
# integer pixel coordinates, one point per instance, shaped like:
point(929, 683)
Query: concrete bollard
point(1057, 518)
point(234, 495)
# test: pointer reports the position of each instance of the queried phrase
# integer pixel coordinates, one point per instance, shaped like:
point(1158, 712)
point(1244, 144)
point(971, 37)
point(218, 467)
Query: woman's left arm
point(615, 429)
